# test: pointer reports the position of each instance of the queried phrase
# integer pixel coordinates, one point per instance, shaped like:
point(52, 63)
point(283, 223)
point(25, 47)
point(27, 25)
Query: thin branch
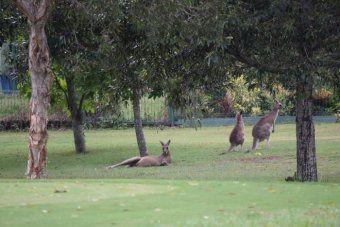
point(327, 63)
point(82, 98)
point(78, 5)
point(244, 58)
point(326, 42)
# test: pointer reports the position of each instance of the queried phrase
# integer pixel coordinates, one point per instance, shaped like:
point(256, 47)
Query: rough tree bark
point(41, 79)
point(305, 131)
point(138, 123)
point(77, 116)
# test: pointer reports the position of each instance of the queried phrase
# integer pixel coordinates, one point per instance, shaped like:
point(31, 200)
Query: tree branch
point(82, 98)
point(329, 40)
point(31, 11)
point(244, 58)
point(78, 5)
point(27, 8)
point(43, 10)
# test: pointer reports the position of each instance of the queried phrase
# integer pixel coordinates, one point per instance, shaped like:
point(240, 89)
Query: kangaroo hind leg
point(268, 143)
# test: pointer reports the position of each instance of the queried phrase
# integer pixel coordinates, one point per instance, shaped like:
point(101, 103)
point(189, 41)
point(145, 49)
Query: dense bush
point(241, 96)
point(325, 102)
point(20, 121)
point(257, 100)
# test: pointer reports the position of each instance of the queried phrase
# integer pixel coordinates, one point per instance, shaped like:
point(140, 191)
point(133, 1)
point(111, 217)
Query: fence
point(213, 122)
point(11, 103)
point(151, 110)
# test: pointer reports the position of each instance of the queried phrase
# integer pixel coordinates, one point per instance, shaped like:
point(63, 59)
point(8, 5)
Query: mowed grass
point(200, 188)
point(196, 154)
point(167, 203)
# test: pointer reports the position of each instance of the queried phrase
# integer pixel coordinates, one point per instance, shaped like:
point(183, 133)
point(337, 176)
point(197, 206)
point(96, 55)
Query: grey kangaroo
point(237, 134)
point(147, 161)
point(261, 130)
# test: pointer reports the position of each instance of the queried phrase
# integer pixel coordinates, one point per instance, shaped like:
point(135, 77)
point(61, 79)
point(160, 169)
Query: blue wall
point(7, 84)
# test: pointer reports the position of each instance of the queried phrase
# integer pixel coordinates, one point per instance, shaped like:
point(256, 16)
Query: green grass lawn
point(200, 188)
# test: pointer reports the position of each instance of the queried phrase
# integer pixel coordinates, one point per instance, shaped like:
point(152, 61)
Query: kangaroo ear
point(161, 143)
point(168, 142)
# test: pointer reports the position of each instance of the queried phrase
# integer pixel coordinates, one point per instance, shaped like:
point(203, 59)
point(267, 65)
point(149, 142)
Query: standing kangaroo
point(237, 134)
point(147, 161)
point(262, 128)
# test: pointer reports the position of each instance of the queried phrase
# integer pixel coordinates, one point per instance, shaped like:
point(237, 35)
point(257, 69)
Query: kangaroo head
point(239, 116)
point(278, 105)
point(165, 147)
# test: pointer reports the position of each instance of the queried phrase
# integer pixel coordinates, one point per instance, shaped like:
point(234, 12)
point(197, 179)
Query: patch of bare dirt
point(253, 159)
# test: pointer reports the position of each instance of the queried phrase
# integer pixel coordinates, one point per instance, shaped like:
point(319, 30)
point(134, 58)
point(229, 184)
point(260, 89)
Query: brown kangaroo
point(237, 134)
point(147, 161)
point(261, 130)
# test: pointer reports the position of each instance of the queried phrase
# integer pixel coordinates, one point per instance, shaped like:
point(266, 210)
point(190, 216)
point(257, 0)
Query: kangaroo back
point(261, 130)
point(148, 161)
point(267, 122)
point(130, 162)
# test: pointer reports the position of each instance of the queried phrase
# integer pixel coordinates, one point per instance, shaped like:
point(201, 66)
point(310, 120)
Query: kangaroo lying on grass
point(147, 161)
point(261, 130)
point(237, 134)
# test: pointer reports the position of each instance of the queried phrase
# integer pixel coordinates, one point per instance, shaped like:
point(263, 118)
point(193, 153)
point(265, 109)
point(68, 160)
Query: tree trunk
point(77, 117)
point(138, 123)
point(305, 132)
point(41, 78)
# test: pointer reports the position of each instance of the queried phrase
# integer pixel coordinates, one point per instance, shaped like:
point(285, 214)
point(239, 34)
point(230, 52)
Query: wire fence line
point(11, 103)
point(152, 110)
point(215, 122)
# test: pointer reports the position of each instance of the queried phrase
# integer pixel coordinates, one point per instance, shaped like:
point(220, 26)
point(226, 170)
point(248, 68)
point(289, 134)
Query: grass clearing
point(195, 153)
point(168, 203)
point(200, 188)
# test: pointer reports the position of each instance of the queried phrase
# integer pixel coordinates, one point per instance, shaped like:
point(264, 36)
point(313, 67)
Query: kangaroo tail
point(230, 149)
point(255, 143)
point(130, 162)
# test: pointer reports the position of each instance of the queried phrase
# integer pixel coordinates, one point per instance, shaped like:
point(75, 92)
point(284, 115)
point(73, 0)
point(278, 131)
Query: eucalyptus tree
point(126, 53)
point(37, 14)
point(73, 40)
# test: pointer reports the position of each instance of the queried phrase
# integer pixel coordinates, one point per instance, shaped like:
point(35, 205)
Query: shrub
point(243, 98)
